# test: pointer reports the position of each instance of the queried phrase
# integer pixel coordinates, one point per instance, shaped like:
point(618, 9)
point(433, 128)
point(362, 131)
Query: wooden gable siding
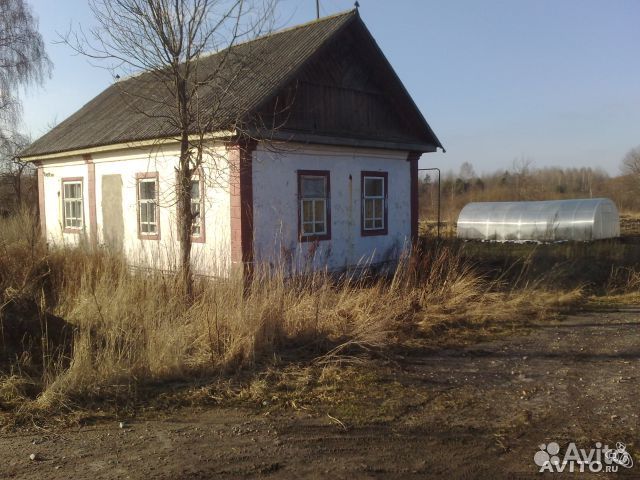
point(345, 92)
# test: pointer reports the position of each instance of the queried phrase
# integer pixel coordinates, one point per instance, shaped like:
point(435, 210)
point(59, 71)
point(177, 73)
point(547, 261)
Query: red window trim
point(380, 231)
point(66, 229)
point(146, 176)
point(202, 238)
point(91, 192)
point(315, 238)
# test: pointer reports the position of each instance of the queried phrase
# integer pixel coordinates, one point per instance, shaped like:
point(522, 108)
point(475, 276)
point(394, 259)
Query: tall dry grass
point(129, 328)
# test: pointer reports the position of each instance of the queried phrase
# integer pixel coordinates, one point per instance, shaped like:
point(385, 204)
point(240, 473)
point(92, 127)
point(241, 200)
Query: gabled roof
point(253, 72)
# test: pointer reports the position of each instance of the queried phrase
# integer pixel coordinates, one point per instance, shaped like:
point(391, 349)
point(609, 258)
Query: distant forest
point(524, 182)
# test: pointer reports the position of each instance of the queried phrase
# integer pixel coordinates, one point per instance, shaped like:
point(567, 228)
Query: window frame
point(139, 178)
point(71, 180)
point(385, 218)
point(327, 177)
point(202, 238)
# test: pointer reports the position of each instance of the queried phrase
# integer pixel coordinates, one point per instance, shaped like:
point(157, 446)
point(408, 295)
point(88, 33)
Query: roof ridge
point(353, 11)
point(344, 13)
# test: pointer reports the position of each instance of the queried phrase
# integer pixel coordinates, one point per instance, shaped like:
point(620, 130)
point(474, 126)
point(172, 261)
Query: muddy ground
point(477, 411)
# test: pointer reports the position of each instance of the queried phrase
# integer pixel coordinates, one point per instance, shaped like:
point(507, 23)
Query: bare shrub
point(623, 280)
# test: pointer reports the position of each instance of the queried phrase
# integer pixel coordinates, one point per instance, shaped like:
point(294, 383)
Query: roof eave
point(319, 139)
point(135, 144)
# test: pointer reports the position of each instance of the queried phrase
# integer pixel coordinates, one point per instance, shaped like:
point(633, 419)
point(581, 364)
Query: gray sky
point(557, 81)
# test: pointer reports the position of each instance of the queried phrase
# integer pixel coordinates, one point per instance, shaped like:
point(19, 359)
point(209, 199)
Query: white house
point(333, 185)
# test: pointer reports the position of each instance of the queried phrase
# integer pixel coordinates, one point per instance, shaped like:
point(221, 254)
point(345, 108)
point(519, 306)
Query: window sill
point(149, 237)
point(73, 230)
point(314, 238)
point(374, 233)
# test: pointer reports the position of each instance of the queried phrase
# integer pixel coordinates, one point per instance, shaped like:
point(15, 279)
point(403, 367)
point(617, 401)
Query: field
point(460, 363)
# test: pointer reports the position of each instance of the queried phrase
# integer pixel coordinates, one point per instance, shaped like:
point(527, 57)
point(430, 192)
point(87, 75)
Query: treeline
point(523, 182)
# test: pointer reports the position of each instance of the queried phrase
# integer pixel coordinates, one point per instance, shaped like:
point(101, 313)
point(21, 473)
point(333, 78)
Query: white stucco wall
point(275, 196)
point(275, 206)
point(211, 257)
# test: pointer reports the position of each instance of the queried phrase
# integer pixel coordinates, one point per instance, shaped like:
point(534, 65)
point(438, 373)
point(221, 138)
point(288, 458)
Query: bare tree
point(23, 60)
point(168, 38)
point(14, 172)
point(521, 169)
point(467, 172)
point(631, 162)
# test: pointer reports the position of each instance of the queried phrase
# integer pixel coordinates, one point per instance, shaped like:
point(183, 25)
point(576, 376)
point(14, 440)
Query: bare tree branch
point(168, 40)
point(23, 60)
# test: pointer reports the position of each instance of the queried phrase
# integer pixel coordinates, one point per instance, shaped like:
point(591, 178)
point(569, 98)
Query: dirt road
point(475, 412)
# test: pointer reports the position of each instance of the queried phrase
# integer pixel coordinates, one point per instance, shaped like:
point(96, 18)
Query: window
point(374, 203)
point(197, 207)
point(314, 206)
point(148, 211)
point(72, 204)
point(197, 210)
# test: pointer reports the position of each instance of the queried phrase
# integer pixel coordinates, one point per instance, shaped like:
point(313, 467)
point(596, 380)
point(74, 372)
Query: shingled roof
point(137, 109)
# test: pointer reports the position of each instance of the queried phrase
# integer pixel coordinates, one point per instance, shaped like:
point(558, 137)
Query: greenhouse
point(544, 221)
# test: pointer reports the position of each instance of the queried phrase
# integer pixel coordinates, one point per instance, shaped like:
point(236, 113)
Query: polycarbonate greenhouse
point(545, 221)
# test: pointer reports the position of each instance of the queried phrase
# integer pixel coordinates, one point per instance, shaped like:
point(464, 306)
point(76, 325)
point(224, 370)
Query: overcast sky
point(557, 81)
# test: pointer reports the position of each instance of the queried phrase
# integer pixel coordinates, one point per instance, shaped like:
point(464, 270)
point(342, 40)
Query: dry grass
point(130, 329)
point(623, 287)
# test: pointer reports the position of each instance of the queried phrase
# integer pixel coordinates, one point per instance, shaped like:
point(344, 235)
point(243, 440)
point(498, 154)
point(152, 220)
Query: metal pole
point(439, 194)
point(317, 9)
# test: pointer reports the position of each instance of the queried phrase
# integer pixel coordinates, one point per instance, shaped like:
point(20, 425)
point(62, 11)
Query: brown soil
point(478, 411)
